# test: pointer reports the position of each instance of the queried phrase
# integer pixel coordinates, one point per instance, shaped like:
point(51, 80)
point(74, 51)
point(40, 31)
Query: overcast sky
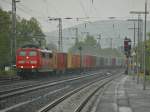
point(99, 10)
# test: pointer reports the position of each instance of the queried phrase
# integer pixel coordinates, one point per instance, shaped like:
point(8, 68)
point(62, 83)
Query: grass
point(142, 75)
point(148, 77)
point(9, 73)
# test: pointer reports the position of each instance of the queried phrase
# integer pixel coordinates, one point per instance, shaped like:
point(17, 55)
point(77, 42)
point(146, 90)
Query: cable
point(83, 8)
point(29, 10)
point(96, 12)
point(46, 4)
point(17, 7)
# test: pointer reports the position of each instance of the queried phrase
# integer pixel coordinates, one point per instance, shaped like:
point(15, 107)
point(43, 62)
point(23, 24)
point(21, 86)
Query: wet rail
point(29, 88)
point(104, 81)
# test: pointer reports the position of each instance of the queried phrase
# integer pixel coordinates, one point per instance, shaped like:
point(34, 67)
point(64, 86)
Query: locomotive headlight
point(21, 66)
point(33, 62)
point(32, 66)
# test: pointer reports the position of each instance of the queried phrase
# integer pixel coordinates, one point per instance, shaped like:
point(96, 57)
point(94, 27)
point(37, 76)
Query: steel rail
point(22, 90)
point(59, 100)
point(79, 109)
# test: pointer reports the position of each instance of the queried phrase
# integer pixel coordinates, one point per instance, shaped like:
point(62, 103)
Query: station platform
point(125, 95)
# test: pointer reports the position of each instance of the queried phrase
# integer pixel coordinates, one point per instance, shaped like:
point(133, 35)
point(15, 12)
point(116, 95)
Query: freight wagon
point(31, 59)
point(73, 62)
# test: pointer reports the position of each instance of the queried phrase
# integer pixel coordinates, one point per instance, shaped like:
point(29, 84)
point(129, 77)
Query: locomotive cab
point(27, 59)
point(33, 60)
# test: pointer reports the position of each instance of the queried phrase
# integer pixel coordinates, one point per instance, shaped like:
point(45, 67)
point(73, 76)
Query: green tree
point(90, 41)
point(89, 47)
point(5, 31)
point(51, 46)
point(148, 34)
point(29, 31)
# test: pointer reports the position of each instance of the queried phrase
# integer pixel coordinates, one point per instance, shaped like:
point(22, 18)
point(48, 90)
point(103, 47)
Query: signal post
point(127, 50)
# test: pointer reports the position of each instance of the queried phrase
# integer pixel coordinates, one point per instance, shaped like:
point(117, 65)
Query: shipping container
point(94, 61)
point(73, 61)
point(69, 61)
point(77, 64)
point(60, 61)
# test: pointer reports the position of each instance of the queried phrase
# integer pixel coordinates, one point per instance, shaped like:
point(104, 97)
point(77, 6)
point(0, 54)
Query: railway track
point(10, 86)
point(13, 81)
point(8, 81)
point(72, 101)
point(8, 96)
point(21, 90)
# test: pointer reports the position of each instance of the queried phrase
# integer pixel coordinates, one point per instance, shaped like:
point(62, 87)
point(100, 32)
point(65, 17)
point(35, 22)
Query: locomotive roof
point(37, 49)
point(30, 46)
point(45, 50)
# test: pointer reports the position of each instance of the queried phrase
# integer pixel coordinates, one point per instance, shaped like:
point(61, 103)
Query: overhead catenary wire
point(83, 8)
point(46, 4)
point(29, 11)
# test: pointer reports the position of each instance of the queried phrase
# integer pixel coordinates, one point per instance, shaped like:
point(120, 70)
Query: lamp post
point(133, 54)
point(60, 45)
point(13, 41)
point(60, 41)
point(144, 82)
point(138, 41)
point(145, 13)
point(77, 35)
point(80, 49)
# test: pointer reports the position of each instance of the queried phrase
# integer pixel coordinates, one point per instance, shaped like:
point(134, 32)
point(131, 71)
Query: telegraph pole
point(144, 82)
point(13, 40)
point(134, 28)
point(111, 43)
point(80, 49)
point(145, 13)
point(60, 40)
point(138, 41)
point(99, 39)
point(138, 49)
point(77, 35)
point(60, 35)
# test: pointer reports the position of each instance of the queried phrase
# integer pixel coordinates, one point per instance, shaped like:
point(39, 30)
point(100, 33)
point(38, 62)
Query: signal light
point(127, 46)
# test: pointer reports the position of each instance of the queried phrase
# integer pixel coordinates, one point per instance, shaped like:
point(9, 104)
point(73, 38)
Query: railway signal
point(127, 46)
point(127, 50)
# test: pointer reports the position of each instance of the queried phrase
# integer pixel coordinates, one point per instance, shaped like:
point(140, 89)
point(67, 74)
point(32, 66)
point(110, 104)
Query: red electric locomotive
point(32, 59)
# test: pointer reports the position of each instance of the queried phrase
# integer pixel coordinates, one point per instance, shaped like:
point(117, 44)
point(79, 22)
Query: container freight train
point(33, 60)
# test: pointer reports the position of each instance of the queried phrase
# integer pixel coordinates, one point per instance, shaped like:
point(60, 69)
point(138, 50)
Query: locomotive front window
point(22, 53)
point(32, 53)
